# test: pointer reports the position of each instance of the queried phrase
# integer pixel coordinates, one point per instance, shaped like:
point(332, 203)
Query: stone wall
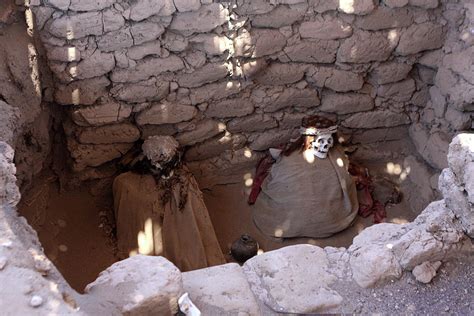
point(229, 79)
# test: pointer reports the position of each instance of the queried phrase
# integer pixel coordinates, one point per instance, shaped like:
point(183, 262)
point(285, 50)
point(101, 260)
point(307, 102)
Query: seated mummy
point(306, 190)
point(159, 209)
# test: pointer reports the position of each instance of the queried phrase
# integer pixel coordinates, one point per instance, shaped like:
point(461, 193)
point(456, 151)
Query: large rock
point(420, 37)
point(314, 51)
point(325, 29)
point(109, 134)
point(148, 90)
point(432, 147)
point(278, 17)
point(215, 146)
point(380, 118)
point(251, 123)
point(106, 112)
point(214, 297)
point(344, 81)
point(187, 5)
point(461, 159)
point(364, 47)
point(211, 44)
point(115, 40)
point(149, 48)
point(89, 5)
point(271, 138)
point(389, 72)
point(140, 285)
point(215, 91)
point(203, 20)
point(284, 280)
point(230, 108)
point(258, 43)
point(63, 53)
point(94, 155)
point(145, 31)
point(95, 65)
point(202, 130)
point(208, 73)
point(146, 68)
point(76, 26)
point(345, 103)
point(113, 20)
point(280, 74)
point(290, 97)
point(166, 113)
point(457, 200)
point(84, 92)
point(427, 4)
point(142, 9)
point(419, 195)
point(385, 18)
point(401, 91)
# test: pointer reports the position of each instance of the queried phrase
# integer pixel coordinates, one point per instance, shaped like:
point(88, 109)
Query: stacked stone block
point(235, 77)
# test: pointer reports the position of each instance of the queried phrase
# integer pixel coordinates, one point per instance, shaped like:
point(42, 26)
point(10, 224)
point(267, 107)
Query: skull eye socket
point(320, 140)
point(330, 141)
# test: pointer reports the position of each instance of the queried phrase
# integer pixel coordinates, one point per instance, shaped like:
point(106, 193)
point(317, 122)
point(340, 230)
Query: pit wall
point(25, 89)
point(230, 79)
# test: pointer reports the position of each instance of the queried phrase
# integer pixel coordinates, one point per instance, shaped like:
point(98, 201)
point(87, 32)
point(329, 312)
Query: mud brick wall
point(230, 79)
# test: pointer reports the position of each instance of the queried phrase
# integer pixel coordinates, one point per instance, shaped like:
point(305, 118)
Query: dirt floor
point(73, 229)
point(231, 217)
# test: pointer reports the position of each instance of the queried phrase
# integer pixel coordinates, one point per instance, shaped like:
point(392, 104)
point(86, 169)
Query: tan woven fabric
point(307, 199)
point(186, 237)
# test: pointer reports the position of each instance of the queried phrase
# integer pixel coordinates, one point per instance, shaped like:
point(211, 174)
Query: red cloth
point(261, 173)
point(368, 206)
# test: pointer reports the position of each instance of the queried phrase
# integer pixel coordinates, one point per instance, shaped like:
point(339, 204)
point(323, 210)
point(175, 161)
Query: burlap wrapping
point(186, 237)
point(303, 199)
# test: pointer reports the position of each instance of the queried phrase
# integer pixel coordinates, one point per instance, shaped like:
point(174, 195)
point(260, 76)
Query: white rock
point(213, 296)
point(215, 91)
point(139, 285)
point(259, 43)
point(211, 44)
point(3, 262)
point(113, 20)
point(251, 123)
point(64, 53)
point(396, 3)
point(427, 4)
point(145, 49)
point(290, 97)
point(401, 91)
point(107, 112)
point(145, 31)
point(116, 40)
point(344, 81)
point(280, 74)
point(284, 280)
point(36, 301)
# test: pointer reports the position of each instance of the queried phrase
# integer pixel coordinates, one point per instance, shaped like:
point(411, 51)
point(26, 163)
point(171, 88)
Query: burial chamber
point(83, 83)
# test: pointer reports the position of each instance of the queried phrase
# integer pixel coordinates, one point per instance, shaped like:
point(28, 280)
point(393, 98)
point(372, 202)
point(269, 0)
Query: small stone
point(36, 301)
point(62, 248)
point(3, 262)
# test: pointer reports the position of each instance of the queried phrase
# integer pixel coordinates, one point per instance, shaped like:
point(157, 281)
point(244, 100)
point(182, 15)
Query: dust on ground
point(74, 228)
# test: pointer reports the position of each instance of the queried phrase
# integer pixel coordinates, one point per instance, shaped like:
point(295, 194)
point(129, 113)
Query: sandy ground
point(72, 228)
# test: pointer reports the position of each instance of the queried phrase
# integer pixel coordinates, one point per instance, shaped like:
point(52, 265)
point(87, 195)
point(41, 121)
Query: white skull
point(321, 145)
